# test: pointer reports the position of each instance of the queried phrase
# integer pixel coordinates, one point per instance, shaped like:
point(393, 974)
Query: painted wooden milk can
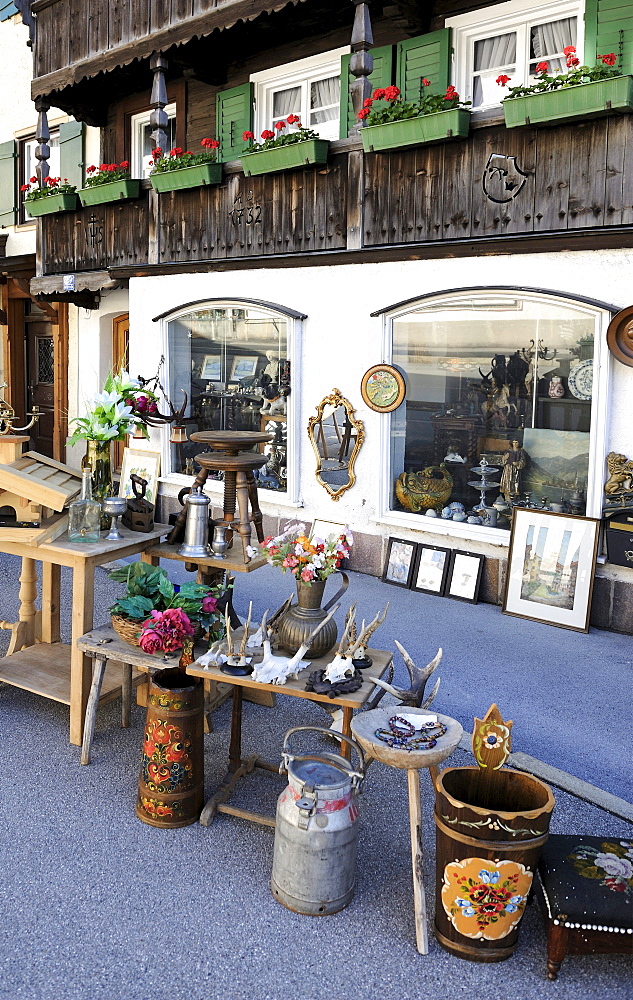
point(490, 827)
point(171, 782)
point(314, 863)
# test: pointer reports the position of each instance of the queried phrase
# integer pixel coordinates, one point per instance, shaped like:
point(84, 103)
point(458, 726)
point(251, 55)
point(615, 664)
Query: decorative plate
point(580, 380)
point(383, 388)
point(620, 336)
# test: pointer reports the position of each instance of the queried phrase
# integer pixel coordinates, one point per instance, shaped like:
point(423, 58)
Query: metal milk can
point(317, 829)
point(196, 543)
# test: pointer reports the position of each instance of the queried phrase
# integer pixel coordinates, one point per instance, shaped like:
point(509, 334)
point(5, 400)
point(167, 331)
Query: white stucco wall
point(341, 341)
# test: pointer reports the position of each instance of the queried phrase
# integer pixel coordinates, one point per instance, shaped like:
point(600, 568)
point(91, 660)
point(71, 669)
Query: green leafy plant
point(396, 109)
point(108, 172)
point(177, 159)
point(280, 137)
point(51, 185)
point(148, 589)
point(577, 74)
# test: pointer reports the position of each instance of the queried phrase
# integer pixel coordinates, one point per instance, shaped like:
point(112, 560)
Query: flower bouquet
point(398, 123)
point(582, 92)
point(180, 169)
point(289, 146)
point(120, 409)
point(308, 559)
point(157, 615)
point(55, 195)
point(108, 182)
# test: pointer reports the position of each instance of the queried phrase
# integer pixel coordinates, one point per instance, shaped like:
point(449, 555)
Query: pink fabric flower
point(307, 575)
point(151, 641)
point(209, 604)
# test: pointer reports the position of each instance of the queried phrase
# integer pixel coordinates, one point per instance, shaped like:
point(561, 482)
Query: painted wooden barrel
point(171, 782)
point(490, 828)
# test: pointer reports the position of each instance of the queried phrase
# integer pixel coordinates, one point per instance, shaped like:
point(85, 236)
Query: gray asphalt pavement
point(98, 905)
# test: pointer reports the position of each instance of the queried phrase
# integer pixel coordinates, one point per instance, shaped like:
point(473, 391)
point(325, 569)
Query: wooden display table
point(51, 668)
point(364, 728)
point(239, 767)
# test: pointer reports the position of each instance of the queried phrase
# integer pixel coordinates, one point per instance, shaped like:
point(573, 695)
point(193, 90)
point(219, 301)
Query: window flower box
point(585, 100)
point(440, 126)
point(199, 175)
point(100, 194)
point(52, 203)
point(288, 157)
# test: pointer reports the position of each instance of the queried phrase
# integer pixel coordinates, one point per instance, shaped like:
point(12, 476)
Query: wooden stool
point(364, 728)
point(585, 896)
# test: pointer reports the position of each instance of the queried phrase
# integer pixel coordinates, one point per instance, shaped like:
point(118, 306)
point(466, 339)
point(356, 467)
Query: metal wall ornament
point(383, 388)
point(620, 336)
point(336, 437)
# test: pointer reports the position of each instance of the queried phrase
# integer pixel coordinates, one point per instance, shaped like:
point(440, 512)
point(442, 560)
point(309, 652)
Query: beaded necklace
point(400, 734)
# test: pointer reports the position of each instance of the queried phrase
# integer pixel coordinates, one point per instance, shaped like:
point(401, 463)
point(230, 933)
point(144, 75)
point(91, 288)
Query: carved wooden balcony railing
point(498, 183)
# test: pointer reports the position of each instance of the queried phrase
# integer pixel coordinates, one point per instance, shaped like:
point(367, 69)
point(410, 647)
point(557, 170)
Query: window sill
point(438, 526)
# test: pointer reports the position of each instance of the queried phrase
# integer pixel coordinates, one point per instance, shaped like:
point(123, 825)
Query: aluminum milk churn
point(314, 864)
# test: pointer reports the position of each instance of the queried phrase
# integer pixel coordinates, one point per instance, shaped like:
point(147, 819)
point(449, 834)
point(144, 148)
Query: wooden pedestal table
point(238, 767)
point(364, 728)
point(51, 668)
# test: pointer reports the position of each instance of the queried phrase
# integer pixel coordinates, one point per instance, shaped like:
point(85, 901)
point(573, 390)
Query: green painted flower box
point(52, 203)
point(438, 127)
point(199, 175)
point(585, 100)
point(100, 194)
point(290, 157)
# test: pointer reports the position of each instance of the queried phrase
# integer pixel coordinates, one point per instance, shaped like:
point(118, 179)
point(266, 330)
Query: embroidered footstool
point(587, 892)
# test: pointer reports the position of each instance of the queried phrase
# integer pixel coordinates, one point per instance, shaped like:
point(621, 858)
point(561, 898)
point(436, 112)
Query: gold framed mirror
point(336, 436)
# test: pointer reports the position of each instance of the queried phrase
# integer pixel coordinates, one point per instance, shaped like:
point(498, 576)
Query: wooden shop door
point(40, 376)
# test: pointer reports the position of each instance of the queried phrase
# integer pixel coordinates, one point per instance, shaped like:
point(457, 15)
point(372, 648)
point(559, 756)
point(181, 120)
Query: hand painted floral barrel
point(490, 828)
point(171, 782)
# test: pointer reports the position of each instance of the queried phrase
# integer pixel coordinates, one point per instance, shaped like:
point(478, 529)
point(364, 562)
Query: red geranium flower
point(392, 93)
point(157, 152)
point(451, 94)
point(610, 59)
point(425, 82)
point(24, 187)
point(292, 119)
point(363, 113)
point(176, 151)
point(247, 135)
point(33, 180)
point(572, 61)
point(367, 103)
point(124, 164)
point(379, 94)
point(541, 67)
point(502, 80)
point(280, 125)
point(569, 50)
point(267, 134)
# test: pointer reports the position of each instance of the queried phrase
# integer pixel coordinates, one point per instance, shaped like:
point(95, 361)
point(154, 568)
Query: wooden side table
point(49, 667)
point(364, 728)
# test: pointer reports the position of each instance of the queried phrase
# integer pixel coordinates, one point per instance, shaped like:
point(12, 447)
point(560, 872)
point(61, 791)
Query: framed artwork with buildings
point(464, 576)
point(551, 566)
point(399, 562)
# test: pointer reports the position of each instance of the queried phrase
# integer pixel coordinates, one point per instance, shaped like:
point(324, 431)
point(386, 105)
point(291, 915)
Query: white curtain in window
point(286, 102)
point(547, 39)
point(325, 96)
point(492, 55)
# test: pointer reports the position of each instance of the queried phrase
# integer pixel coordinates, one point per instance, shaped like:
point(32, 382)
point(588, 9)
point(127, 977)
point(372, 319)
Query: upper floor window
point(27, 164)
point(511, 39)
point(309, 88)
point(142, 143)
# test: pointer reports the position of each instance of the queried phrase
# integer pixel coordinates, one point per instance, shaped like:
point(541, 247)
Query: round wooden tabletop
point(365, 724)
point(231, 440)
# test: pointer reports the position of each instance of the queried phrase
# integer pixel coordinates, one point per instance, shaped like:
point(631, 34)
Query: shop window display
point(233, 362)
point(495, 381)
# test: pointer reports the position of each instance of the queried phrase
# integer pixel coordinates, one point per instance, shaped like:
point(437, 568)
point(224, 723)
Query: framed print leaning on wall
point(551, 566)
point(399, 562)
point(464, 576)
point(145, 464)
point(431, 569)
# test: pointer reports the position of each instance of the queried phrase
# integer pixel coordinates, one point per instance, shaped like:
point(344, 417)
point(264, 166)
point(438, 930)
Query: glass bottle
point(84, 521)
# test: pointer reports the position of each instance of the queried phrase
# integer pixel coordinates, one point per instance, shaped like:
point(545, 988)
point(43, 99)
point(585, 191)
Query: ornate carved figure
point(422, 490)
point(620, 474)
point(513, 461)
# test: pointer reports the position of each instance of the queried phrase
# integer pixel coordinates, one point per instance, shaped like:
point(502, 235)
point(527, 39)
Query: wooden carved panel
point(97, 237)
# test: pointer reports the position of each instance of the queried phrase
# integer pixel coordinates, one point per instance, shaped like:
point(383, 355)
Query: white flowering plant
point(308, 559)
point(117, 411)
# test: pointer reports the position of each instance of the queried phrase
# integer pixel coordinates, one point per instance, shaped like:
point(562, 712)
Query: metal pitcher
point(314, 863)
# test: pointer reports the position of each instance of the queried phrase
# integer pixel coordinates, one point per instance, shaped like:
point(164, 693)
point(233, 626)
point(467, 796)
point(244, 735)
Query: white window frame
point(137, 123)
point(291, 496)
point(515, 15)
point(301, 73)
point(598, 432)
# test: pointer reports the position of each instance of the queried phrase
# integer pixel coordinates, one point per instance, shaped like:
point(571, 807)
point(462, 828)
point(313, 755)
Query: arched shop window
point(233, 359)
point(512, 377)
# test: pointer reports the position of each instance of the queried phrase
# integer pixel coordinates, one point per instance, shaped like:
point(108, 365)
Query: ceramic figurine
point(513, 462)
point(556, 388)
point(425, 490)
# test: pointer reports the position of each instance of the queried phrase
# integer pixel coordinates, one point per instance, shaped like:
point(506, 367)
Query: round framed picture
point(383, 388)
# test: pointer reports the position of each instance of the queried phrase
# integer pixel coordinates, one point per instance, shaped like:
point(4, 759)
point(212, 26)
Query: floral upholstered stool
point(587, 891)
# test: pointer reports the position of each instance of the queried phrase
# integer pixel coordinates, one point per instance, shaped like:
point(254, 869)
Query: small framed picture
point(399, 562)
point(145, 464)
point(464, 576)
point(211, 368)
point(244, 367)
point(324, 529)
point(551, 568)
point(431, 569)
point(383, 388)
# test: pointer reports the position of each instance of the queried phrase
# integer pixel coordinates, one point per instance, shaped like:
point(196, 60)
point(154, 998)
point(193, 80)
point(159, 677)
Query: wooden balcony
point(496, 187)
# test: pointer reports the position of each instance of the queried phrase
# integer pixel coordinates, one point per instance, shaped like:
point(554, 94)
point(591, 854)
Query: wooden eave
point(176, 34)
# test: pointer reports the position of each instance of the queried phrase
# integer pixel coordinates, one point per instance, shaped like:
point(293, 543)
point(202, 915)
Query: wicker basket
point(128, 630)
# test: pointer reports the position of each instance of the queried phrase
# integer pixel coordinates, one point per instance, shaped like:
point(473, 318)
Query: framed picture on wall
point(464, 576)
point(324, 529)
point(399, 562)
point(551, 568)
point(211, 368)
point(244, 367)
point(430, 569)
point(145, 464)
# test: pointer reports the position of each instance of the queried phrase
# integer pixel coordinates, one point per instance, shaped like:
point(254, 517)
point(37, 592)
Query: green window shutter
point(7, 9)
point(234, 115)
point(380, 77)
point(71, 153)
point(8, 191)
point(604, 20)
point(425, 56)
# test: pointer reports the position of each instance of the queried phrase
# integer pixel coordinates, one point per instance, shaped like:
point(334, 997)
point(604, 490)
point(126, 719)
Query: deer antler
point(228, 636)
point(350, 624)
point(413, 696)
point(157, 418)
point(274, 619)
point(247, 625)
point(368, 630)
